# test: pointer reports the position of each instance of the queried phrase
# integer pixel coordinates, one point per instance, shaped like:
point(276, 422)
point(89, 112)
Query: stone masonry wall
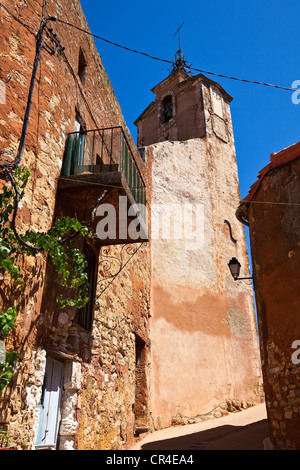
point(107, 398)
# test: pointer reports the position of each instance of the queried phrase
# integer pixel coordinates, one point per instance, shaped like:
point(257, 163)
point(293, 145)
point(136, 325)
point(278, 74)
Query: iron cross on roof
point(179, 62)
point(178, 32)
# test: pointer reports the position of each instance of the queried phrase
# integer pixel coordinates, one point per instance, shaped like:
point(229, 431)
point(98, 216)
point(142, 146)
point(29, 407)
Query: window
point(85, 315)
point(78, 126)
point(167, 109)
point(82, 67)
point(80, 141)
point(74, 151)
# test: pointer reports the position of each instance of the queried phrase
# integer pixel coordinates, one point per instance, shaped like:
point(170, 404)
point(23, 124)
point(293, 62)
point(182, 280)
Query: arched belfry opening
point(166, 109)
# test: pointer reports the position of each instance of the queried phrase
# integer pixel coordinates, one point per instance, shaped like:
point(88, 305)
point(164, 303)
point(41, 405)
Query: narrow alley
point(244, 430)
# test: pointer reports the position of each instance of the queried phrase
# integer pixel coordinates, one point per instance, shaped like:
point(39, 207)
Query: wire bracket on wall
point(112, 260)
point(230, 231)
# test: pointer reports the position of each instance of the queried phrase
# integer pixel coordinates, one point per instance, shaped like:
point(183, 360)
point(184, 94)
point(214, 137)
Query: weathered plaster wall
point(204, 337)
point(275, 234)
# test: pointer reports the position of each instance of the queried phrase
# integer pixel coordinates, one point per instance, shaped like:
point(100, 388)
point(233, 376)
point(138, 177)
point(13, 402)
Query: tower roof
point(181, 73)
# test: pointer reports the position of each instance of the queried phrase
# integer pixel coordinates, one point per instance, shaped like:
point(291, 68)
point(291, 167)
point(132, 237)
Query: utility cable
point(170, 61)
point(15, 210)
point(93, 183)
point(39, 45)
point(35, 67)
point(17, 19)
point(145, 54)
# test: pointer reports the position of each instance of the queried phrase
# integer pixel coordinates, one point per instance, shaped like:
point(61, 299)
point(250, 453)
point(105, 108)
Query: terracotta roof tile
point(276, 159)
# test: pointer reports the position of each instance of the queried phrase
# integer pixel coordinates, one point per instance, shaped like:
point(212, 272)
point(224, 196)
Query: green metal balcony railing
point(103, 151)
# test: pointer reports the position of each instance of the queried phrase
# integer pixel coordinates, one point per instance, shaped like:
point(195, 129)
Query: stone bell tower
point(203, 331)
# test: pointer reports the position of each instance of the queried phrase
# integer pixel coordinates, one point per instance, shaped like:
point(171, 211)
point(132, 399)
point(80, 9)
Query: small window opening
point(167, 109)
point(78, 126)
point(82, 68)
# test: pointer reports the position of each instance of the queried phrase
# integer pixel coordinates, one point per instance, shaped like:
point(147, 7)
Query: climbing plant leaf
point(56, 245)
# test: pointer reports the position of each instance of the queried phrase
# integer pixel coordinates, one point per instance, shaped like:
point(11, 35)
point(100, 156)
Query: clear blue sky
point(252, 39)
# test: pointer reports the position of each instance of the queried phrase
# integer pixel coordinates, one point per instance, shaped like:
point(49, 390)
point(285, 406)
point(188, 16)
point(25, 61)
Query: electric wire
point(170, 61)
point(17, 19)
point(39, 45)
point(145, 54)
point(93, 183)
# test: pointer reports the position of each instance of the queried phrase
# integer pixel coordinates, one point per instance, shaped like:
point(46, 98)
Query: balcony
point(96, 161)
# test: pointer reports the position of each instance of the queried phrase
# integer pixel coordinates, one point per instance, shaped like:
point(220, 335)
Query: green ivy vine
point(7, 322)
point(57, 244)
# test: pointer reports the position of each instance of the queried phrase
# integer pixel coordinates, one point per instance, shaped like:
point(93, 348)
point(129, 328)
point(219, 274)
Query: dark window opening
point(85, 315)
point(141, 405)
point(79, 126)
point(82, 68)
point(167, 109)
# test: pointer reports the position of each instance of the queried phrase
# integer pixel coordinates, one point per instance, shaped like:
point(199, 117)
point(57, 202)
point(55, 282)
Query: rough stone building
point(204, 344)
point(81, 377)
point(271, 210)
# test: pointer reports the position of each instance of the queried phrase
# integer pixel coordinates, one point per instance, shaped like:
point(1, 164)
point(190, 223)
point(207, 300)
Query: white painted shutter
point(51, 404)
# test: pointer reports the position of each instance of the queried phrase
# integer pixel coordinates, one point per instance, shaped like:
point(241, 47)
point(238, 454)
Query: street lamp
point(235, 267)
